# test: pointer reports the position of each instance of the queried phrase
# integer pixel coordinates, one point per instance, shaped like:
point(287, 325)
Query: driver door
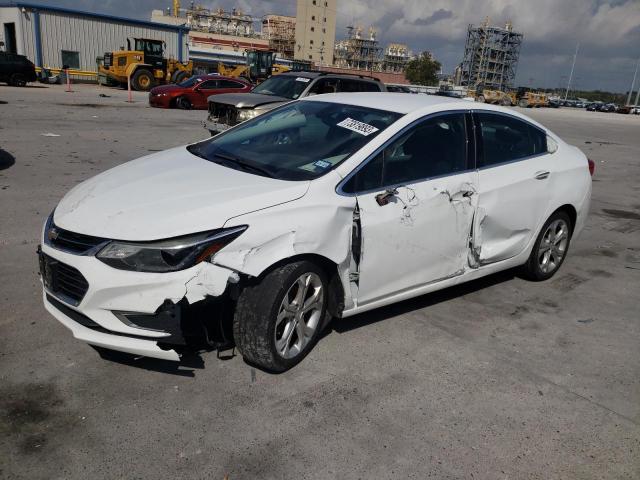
point(416, 201)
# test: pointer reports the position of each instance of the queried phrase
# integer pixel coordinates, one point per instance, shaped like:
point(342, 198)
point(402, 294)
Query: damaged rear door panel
point(515, 178)
point(416, 203)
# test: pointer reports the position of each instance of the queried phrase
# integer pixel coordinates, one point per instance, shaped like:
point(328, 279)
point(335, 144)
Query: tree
point(423, 70)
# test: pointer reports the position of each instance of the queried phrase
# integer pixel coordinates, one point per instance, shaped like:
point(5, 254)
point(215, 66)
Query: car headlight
point(244, 115)
point(167, 255)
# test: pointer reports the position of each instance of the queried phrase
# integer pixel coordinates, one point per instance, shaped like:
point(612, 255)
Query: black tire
point(505, 102)
point(143, 80)
point(183, 103)
point(481, 99)
point(255, 321)
point(533, 269)
point(523, 103)
point(18, 80)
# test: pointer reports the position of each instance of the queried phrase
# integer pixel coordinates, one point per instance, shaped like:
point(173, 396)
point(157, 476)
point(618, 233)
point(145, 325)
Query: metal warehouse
point(52, 37)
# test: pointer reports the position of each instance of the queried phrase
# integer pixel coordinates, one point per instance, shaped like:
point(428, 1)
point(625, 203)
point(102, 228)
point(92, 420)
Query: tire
point(523, 103)
point(505, 102)
point(267, 327)
point(143, 80)
point(550, 249)
point(183, 103)
point(18, 80)
point(481, 99)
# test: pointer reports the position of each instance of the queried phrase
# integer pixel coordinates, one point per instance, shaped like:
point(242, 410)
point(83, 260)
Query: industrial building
point(280, 31)
point(52, 37)
point(315, 31)
point(490, 57)
point(360, 52)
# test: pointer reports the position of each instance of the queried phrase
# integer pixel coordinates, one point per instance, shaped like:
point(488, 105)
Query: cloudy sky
point(608, 30)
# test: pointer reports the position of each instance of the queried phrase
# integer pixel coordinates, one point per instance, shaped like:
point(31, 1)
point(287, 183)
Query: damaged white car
point(325, 207)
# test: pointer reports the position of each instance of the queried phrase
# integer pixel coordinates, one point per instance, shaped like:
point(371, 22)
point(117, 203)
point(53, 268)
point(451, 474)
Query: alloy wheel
point(299, 315)
point(553, 246)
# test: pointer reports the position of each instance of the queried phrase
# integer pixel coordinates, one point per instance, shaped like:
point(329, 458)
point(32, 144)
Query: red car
point(194, 91)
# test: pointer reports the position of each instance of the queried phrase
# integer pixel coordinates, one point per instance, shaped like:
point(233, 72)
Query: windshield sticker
point(322, 164)
point(303, 80)
point(358, 127)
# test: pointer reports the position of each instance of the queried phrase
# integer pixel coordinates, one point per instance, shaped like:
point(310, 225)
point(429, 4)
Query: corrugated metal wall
point(90, 37)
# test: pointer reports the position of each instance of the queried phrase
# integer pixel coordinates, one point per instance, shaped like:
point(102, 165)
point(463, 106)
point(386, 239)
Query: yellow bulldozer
point(258, 67)
point(145, 65)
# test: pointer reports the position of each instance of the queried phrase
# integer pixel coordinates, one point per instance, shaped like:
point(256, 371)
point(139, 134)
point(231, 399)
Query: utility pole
point(633, 84)
point(573, 66)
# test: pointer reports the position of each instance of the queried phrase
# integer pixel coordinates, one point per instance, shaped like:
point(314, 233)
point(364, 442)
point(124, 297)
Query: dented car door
point(515, 176)
point(416, 201)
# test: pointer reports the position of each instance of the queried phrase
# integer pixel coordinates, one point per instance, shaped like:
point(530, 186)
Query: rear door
point(416, 200)
point(515, 175)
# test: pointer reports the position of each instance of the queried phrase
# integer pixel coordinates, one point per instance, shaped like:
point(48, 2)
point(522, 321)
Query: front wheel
point(550, 248)
point(279, 320)
point(183, 103)
point(143, 80)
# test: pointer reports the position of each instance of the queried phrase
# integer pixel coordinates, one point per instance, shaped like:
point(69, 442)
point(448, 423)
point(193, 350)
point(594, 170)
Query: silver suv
point(229, 109)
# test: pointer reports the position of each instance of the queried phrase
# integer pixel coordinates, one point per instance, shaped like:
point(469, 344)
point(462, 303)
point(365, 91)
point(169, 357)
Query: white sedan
point(323, 208)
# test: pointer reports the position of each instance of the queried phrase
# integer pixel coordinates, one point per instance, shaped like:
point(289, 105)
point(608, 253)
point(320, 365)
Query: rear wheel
point(278, 321)
point(183, 103)
point(481, 99)
point(143, 80)
point(550, 248)
point(523, 103)
point(505, 102)
point(18, 80)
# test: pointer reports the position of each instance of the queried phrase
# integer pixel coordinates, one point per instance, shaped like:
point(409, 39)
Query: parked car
point(225, 111)
point(593, 107)
point(194, 91)
point(398, 89)
point(329, 206)
point(608, 107)
point(16, 70)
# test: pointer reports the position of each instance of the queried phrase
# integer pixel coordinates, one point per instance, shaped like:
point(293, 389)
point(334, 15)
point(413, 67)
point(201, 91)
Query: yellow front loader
point(145, 65)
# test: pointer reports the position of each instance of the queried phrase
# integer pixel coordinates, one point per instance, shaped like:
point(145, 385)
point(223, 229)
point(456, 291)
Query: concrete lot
point(497, 379)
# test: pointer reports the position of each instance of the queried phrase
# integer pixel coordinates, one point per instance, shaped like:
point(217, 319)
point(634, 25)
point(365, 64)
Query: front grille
point(221, 113)
point(71, 242)
point(62, 280)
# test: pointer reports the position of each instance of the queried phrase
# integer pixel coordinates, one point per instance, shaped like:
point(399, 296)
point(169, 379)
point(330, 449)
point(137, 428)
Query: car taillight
point(592, 166)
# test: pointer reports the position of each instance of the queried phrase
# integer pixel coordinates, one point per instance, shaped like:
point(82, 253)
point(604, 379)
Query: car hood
point(246, 100)
point(168, 194)
point(166, 89)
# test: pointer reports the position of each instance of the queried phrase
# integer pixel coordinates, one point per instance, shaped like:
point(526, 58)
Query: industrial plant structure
point(490, 57)
point(360, 52)
point(280, 31)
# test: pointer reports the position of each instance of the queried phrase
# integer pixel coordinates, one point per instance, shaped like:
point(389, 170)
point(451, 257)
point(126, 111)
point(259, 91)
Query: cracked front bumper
point(134, 312)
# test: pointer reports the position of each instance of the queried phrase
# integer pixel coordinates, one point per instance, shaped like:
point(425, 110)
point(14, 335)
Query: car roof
point(316, 74)
point(392, 102)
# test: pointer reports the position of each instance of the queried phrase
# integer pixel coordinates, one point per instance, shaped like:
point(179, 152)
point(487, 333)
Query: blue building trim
point(180, 45)
point(100, 16)
point(37, 37)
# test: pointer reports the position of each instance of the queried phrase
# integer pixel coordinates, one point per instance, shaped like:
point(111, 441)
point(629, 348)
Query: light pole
point(573, 66)
point(633, 84)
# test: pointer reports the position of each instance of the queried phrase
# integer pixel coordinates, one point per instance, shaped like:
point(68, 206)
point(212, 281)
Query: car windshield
point(286, 86)
point(298, 141)
point(190, 82)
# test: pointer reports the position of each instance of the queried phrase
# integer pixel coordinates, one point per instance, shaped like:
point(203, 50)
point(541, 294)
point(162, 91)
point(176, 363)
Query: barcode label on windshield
point(358, 127)
point(302, 79)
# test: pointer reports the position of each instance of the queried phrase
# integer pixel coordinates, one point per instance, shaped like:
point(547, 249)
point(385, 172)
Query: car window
point(230, 84)
point(209, 84)
point(349, 85)
point(298, 141)
point(433, 148)
point(505, 139)
point(324, 85)
point(287, 86)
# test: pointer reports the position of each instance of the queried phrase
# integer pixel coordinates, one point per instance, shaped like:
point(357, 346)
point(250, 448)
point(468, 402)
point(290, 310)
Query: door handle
point(542, 175)
point(384, 198)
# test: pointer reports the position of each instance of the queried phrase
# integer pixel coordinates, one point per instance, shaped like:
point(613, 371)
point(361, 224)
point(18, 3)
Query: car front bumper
point(135, 312)
point(215, 127)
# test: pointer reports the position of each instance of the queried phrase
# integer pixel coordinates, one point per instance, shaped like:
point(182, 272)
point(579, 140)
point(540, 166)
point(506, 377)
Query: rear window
point(506, 139)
